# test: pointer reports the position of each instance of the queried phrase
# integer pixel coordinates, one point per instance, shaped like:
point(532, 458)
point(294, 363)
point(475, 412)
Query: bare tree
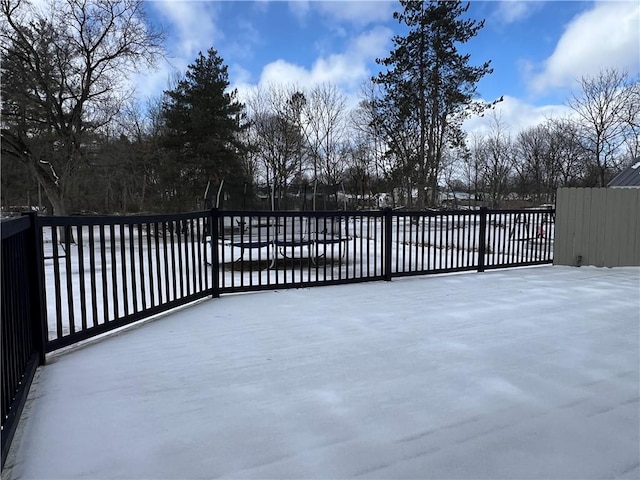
point(530, 162)
point(566, 153)
point(632, 119)
point(497, 154)
point(326, 115)
point(64, 75)
point(130, 154)
point(360, 160)
point(276, 137)
point(368, 143)
point(397, 143)
point(475, 161)
point(609, 113)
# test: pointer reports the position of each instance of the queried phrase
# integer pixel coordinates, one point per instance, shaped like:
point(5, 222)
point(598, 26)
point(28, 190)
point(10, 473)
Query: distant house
point(628, 178)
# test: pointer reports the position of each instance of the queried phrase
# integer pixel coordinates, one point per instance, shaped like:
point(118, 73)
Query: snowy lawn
point(528, 373)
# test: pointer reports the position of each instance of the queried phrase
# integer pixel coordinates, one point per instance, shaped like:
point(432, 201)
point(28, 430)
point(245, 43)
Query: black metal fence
point(22, 320)
point(293, 249)
point(106, 272)
point(67, 279)
point(269, 250)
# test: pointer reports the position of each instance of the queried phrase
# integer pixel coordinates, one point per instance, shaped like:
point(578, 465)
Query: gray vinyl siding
point(600, 225)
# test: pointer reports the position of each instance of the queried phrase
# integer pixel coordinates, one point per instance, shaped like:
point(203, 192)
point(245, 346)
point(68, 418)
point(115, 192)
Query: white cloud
point(195, 26)
point(300, 9)
point(191, 28)
point(281, 71)
point(346, 70)
point(608, 35)
point(517, 115)
point(373, 43)
point(151, 84)
point(357, 12)
point(511, 11)
point(240, 74)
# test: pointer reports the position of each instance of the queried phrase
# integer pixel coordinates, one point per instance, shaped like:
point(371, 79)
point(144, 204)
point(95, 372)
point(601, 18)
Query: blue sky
point(538, 49)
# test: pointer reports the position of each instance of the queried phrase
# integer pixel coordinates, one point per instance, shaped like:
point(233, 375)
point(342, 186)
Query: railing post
point(215, 260)
point(482, 239)
point(387, 221)
point(37, 303)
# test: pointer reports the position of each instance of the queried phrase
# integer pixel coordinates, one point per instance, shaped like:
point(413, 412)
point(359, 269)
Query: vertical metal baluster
point(132, 260)
point(68, 274)
point(200, 244)
point(56, 276)
point(190, 241)
point(103, 264)
point(156, 231)
point(83, 293)
point(166, 249)
point(123, 272)
point(92, 273)
point(143, 283)
point(442, 245)
point(152, 287)
point(114, 272)
point(180, 273)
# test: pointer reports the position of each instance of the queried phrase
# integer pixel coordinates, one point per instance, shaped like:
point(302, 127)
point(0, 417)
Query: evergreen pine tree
point(429, 86)
point(203, 120)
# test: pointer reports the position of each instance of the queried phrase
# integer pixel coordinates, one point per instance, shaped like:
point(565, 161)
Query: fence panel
point(434, 242)
point(519, 238)
point(22, 323)
point(105, 272)
point(266, 250)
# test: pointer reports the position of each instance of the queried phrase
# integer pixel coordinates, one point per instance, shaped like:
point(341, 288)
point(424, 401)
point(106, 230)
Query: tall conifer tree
point(203, 120)
point(429, 86)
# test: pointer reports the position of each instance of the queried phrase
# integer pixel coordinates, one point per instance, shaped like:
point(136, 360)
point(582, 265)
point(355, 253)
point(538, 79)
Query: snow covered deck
point(529, 373)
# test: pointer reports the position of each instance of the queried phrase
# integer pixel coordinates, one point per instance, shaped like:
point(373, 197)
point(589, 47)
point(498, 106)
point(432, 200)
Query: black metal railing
point(22, 319)
point(106, 272)
point(453, 241)
point(518, 237)
point(435, 242)
point(292, 249)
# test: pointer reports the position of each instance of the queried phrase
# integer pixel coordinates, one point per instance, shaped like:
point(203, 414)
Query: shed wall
point(597, 226)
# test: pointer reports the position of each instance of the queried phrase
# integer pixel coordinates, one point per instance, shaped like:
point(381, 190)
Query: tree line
point(74, 139)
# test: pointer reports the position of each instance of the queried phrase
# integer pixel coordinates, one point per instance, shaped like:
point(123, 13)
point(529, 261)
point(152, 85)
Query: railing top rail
point(11, 227)
point(432, 213)
point(298, 213)
point(522, 210)
point(14, 225)
point(374, 213)
point(119, 219)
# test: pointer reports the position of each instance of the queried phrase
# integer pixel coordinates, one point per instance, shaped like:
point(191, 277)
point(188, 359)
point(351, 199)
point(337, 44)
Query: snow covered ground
point(528, 373)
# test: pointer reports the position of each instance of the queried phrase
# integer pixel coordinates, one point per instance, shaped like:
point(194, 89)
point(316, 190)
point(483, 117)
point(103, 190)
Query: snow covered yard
point(528, 373)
